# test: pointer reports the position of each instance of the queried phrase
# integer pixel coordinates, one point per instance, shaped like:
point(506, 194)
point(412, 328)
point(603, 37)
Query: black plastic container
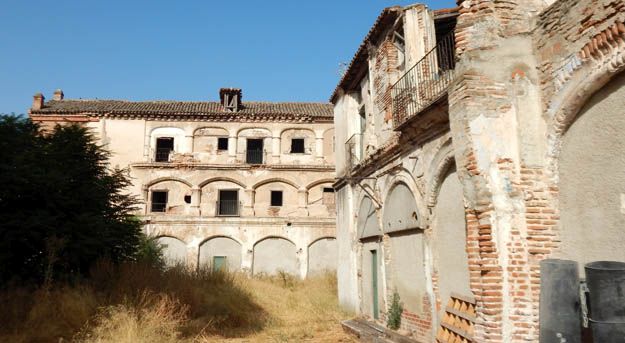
point(560, 314)
point(606, 287)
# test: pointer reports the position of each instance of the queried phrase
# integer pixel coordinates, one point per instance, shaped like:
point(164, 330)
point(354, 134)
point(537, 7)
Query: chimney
point(37, 101)
point(58, 95)
point(230, 99)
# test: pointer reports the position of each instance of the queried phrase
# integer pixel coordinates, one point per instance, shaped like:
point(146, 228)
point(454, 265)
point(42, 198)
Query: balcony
point(228, 208)
point(425, 83)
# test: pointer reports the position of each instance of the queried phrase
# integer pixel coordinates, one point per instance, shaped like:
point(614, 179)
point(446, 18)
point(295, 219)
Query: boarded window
point(159, 201)
point(297, 145)
point(222, 143)
point(276, 198)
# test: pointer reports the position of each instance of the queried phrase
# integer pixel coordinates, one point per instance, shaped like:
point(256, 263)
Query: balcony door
point(228, 203)
point(164, 145)
point(254, 154)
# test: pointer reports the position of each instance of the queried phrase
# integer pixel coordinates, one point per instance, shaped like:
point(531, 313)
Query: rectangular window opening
point(276, 198)
point(159, 201)
point(297, 146)
point(228, 203)
point(222, 143)
point(254, 154)
point(164, 146)
point(328, 196)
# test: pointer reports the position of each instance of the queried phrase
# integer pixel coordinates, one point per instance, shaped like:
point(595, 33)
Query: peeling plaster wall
point(221, 246)
point(174, 250)
point(366, 279)
point(408, 269)
point(274, 255)
point(322, 256)
point(450, 250)
point(592, 179)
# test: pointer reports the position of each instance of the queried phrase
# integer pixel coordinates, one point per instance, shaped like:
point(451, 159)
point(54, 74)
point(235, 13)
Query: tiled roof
point(386, 17)
point(204, 108)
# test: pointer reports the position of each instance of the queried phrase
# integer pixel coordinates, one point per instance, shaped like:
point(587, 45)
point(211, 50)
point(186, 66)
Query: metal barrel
point(560, 312)
point(606, 287)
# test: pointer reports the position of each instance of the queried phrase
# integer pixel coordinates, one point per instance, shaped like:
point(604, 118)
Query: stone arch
point(275, 179)
point(591, 72)
point(178, 134)
point(273, 254)
point(312, 132)
point(367, 223)
point(263, 198)
point(407, 273)
point(226, 179)
point(218, 247)
point(177, 192)
point(591, 179)
point(174, 249)
point(167, 178)
point(261, 132)
point(443, 161)
point(405, 177)
point(322, 256)
point(319, 182)
point(205, 139)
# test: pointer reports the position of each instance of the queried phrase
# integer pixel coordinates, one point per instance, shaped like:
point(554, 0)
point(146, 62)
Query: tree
point(61, 207)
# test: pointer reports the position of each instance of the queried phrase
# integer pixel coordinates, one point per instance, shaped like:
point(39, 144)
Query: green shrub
point(394, 313)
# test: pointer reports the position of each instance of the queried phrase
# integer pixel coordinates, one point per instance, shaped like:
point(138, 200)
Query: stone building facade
point(228, 184)
point(472, 143)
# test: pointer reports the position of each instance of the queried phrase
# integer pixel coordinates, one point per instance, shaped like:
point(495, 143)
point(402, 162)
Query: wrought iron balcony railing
point(254, 156)
point(424, 83)
point(226, 208)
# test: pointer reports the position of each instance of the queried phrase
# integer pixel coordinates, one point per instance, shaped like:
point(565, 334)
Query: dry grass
point(135, 303)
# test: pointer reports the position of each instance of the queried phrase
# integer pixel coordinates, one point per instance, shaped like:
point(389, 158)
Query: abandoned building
point(227, 184)
point(473, 143)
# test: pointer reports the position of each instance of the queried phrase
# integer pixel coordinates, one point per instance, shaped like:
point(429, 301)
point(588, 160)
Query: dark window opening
point(159, 201)
point(363, 118)
point(276, 198)
point(328, 196)
point(297, 145)
point(164, 146)
point(254, 154)
point(222, 143)
point(228, 203)
point(187, 199)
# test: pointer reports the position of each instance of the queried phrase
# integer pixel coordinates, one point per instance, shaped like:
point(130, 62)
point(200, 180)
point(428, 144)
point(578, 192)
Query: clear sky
point(179, 50)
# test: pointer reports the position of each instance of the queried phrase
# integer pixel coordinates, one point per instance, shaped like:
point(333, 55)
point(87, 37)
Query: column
point(196, 195)
point(232, 148)
point(275, 149)
point(193, 253)
point(248, 203)
point(302, 202)
point(319, 148)
point(247, 258)
point(302, 261)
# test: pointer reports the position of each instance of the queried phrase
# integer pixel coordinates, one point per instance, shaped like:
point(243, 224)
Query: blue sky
point(179, 50)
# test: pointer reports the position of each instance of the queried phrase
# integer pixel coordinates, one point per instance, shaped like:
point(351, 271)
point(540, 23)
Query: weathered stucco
point(592, 179)
point(322, 256)
point(274, 255)
point(223, 247)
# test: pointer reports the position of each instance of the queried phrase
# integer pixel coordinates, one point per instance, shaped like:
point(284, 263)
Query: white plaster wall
point(273, 255)
point(367, 220)
point(366, 278)
point(592, 179)
point(400, 210)
point(449, 230)
point(174, 250)
point(347, 251)
point(322, 256)
point(221, 246)
point(408, 269)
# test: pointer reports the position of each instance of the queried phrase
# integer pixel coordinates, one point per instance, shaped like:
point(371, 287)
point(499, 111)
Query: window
point(159, 201)
point(222, 143)
point(228, 203)
point(187, 199)
point(297, 145)
point(164, 145)
point(254, 154)
point(328, 196)
point(276, 198)
point(363, 118)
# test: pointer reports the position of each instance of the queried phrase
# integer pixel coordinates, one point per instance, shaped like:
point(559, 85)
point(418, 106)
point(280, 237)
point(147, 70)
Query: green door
point(219, 263)
point(374, 282)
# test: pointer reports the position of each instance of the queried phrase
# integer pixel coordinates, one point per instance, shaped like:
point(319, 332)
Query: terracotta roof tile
point(121, 107)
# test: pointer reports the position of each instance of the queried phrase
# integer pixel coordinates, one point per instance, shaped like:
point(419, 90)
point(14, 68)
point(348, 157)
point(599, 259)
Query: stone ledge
point(370, 332)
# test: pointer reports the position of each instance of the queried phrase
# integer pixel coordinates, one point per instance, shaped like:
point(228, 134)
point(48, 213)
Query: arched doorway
point(221, 253)
point(273, 255)
point(369, 235)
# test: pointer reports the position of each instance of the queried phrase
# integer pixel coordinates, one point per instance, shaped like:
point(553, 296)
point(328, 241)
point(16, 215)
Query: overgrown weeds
point(138, 303)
